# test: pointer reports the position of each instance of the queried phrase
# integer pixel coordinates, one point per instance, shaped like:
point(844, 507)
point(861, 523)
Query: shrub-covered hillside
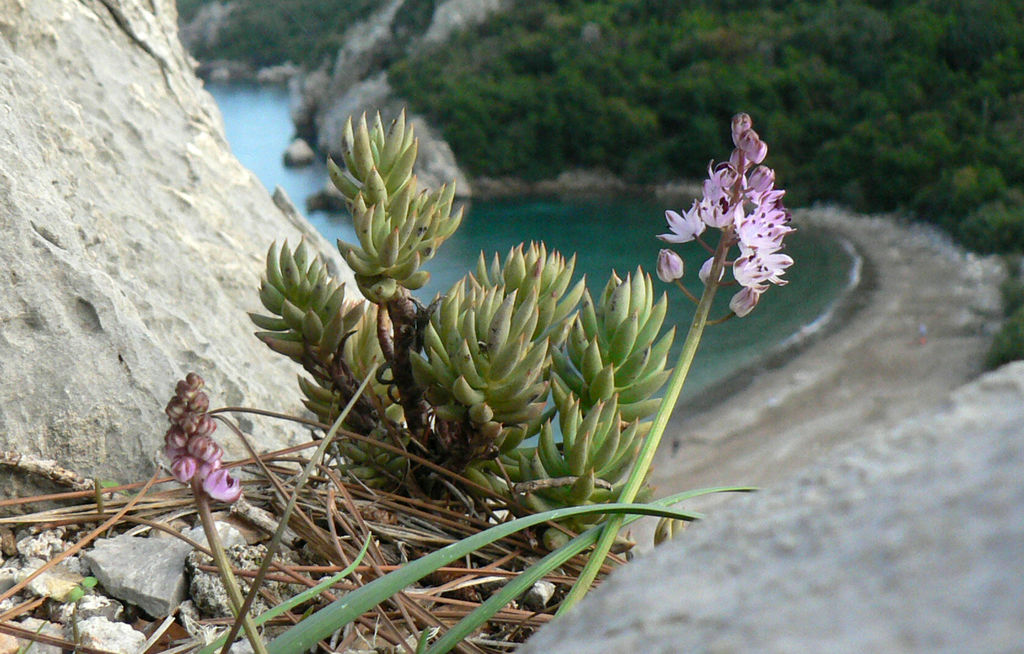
point(880, 105)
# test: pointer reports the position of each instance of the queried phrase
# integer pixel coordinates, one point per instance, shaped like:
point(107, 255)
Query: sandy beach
point(867, 370)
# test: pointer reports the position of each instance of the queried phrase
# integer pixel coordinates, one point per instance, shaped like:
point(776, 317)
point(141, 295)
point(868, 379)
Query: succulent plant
point(486, 348)
point(334, 338)
point(613, 349)
point(398, 226)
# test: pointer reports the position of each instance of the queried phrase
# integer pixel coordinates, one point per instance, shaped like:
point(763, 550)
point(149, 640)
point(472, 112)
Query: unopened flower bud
point(670, 266)
point(761, 180)
point(189, 421)
point(176, 437)
point(741, 123)
point(199, 403)
point(705, 271)
point(184, 468)
point(207, 468)
point(206, 426)
point(172, 452)
point(205, 449)
point(219, 485)
point(752, 146)
point(194, 381)
point(176, 408)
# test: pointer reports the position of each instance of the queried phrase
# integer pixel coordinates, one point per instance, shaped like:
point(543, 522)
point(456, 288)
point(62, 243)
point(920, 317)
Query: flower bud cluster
point(739, 198)
point(189, 445)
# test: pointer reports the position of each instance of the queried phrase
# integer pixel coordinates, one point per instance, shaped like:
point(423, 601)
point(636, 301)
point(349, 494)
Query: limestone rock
point(228, 534)
point(147, 572)
point(43, 545)
point(133, 241)
point(116, 637)
point(298, 154)
point(357, 83)
point(911, 541)
point(207, 590)
point(90, 606)
point(55, 583)
point(42, 627)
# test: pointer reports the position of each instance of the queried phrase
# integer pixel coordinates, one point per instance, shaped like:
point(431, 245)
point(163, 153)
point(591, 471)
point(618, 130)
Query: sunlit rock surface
point(132, 240)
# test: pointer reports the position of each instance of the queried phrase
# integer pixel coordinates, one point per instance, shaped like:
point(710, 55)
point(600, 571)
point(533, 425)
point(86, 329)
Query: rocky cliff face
point(357, 82)
point(907, 541)
point(132, 240)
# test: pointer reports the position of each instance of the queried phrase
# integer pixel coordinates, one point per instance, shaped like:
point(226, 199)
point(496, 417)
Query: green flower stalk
point(742, 202)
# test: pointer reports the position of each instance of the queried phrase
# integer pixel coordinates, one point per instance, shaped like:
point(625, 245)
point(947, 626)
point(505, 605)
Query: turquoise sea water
point(605, 235)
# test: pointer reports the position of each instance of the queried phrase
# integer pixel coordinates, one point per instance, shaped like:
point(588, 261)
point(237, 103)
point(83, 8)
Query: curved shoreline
point(864, 370)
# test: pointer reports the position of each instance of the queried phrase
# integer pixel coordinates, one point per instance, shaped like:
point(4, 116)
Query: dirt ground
point(868, 371)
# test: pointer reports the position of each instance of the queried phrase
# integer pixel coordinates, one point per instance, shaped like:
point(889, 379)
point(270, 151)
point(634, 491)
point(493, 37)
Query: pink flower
point(221, 486)
point(670, 266)
point(184, 468)
point(755, 268)
point(684, 228)
point(745, 300)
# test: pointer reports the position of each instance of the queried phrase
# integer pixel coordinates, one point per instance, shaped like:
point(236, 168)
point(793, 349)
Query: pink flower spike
point(221, 486)
point(670, 266)
point(745, 300)
point(184, 468)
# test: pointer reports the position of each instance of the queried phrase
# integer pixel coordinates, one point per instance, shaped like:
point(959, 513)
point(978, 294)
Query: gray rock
point(100, 633)
point(90, 606)
point(911, 541)
point(44, 628)
point(147, 572)
point(10, 574)
point(133, 241)
point(43, 545)
point(357, 83)
point(55, 583)
point(298, 154)
point(229, 535)
point(539, 595)
point(207, 590)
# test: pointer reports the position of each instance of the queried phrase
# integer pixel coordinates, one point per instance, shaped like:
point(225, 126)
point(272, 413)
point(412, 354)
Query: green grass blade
point(527, 578)
point(337, 614)
point(302, 597)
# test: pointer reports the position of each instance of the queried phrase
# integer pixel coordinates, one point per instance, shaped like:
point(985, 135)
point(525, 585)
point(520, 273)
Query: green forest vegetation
point(879, 105)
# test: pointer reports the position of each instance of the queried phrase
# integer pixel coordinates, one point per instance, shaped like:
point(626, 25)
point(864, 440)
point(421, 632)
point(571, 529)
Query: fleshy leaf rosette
point(485, 359)
point(398, 226)
point(613, 349)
